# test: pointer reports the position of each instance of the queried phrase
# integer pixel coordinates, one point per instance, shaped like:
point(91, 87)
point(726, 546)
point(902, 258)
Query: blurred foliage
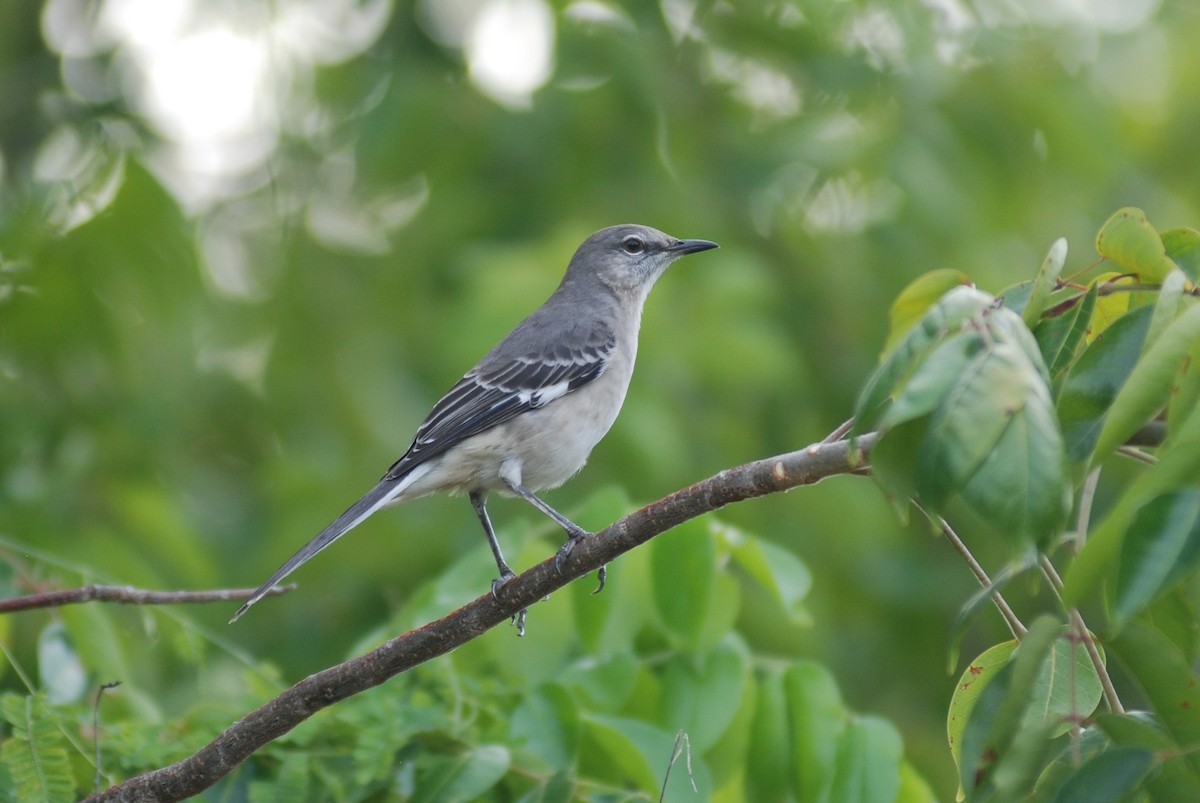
point(206, 357)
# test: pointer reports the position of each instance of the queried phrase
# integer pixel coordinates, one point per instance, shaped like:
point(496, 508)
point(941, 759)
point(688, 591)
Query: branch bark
point(219, 757)
point(129, 596)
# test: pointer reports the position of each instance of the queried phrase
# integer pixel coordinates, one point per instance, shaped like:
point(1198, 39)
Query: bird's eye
point(633, 245)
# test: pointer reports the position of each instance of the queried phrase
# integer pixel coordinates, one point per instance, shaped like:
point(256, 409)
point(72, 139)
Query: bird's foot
point(507, 575)
point(565, 549)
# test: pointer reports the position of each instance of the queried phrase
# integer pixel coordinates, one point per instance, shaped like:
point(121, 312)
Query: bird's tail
point(377, 497)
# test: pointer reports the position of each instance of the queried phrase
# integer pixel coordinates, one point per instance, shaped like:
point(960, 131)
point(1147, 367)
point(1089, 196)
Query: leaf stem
point(1010, 618)
point(1081, 632)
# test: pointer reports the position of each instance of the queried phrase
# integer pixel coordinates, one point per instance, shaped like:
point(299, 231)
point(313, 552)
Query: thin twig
point(96, 725)
point(1085, 636)
point(683, 747)
point(840, 432)
point(128, 595)
point(1135, 453)
point(1010, 618)
point(1087, 495)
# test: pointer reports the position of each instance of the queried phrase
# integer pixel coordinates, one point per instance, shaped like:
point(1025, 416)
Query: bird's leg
point(478, 501)
point(574, 531)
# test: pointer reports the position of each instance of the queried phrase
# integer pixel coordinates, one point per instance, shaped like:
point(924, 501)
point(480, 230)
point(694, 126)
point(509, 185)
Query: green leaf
point(35, 753)
point(995, 440)
point(869, 755)
point(600, 618)
point(558, 788)
point(727, 759)
point(917, 297)
point(603, 683)
point(893, 463)
point(1088, 742)
point(1023, 486)
point(1166, 306)
point(1128, 239)
point(465, 776)
point(970, 685)
point(1016, 296)
point(1178, 466)
point(1183, 247)
point(770, 741)
point(385, 725)
point(546, 723)
point(1066, 687)
point(1186, 396)
point(609, 621)
point(629, 752)
point(1001, 707)
point(1175, 779)
point(945, 317)
point(1095, 379)
point(1149, 384)
point(701, 698)
point(723, 614)
point(683, 571)
point(1113, 303)
point(935, 375)
point(818, 720)
point(1161, 545)
point(291, 783)
point(1044, 282)
point(1059, 336)
point(1108, 777)
point(783, 575)
point(1168, 680)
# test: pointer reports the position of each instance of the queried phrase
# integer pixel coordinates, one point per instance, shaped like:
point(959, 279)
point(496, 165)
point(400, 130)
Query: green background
point(189, 391)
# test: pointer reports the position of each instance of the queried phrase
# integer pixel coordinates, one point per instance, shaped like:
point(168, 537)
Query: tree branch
point(128, 595)
point(278, 716)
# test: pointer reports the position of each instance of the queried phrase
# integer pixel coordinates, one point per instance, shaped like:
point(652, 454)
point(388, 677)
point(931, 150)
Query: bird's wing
point(500, 388)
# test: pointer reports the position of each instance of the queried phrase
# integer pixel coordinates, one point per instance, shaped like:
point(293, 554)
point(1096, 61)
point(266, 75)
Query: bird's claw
point(562, 553)
point(507, 576)
point(565, 550)
point(504, 579)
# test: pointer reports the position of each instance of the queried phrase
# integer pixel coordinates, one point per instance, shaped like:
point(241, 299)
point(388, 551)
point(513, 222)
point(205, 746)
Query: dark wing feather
point(498, 389)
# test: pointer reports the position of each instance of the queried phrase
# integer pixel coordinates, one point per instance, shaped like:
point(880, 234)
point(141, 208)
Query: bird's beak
point(682, 247)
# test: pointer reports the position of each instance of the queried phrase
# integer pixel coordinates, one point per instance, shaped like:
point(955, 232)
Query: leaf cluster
point(1006, 408)
point(585, 707)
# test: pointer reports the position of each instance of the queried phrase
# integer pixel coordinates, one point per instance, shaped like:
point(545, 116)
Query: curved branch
point(278, 716)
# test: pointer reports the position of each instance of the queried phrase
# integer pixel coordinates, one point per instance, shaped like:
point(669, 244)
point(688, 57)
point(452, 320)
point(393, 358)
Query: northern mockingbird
point(526, 417)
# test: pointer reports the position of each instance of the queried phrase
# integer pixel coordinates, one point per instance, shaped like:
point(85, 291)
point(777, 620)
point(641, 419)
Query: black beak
point(690, 246)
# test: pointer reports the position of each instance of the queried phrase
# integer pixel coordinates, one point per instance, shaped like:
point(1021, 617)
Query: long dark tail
point(376, 498)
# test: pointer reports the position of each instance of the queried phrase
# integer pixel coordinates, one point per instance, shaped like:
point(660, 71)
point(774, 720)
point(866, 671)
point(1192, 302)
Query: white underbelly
point(549, 445)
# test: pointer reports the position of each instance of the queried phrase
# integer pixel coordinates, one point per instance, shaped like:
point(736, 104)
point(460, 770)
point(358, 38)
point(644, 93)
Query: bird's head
point(630, 258)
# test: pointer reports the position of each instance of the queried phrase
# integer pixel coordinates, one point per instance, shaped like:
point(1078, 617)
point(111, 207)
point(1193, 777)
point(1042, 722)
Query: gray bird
point(527, 416)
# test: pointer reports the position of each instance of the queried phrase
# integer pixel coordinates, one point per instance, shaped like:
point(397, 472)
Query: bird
point(527, 416)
